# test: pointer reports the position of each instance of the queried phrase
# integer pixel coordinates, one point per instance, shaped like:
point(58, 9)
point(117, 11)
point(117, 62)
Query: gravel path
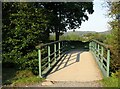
point(76, 66)
point(76, 69)
point(75, 84)
point(69, 84)
point(63, 84)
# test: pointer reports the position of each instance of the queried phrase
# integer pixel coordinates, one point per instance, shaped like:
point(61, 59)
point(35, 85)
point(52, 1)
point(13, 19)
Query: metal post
point(61, 43)
point(108, 62)
point(102, 56)
point(65, 46)
point(95, 48)
point(98, 50)
point(90, 46)
point(55, 52)
point(48, 56)
point(59, 48)
point(39, 58)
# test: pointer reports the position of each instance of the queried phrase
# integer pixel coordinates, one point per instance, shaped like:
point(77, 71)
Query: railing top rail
point(42, 45)
point(102, 44)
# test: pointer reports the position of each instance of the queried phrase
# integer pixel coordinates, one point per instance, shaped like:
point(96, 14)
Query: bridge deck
point(76, 66)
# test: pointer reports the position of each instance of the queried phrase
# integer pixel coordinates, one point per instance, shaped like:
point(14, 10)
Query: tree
point(24, 27)
point(114, 38)
point(65, 15)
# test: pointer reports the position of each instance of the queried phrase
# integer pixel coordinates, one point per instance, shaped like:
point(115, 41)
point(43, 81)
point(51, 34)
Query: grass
point(112, 81)
point(13, 77)
point(27, 81)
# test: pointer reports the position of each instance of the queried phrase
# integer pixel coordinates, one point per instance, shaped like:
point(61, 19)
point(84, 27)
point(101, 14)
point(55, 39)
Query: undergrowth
point(21, 78)
point(112, 81)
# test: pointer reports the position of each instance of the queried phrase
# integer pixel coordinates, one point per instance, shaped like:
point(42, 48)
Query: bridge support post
point(90, 45)
point(98, 50)
point(94, 47)
point(65, 46)
point(108, 62)
point(49, 56)
point(55, 52)
point(102, 57)
point(39, 58)
point(59, 49)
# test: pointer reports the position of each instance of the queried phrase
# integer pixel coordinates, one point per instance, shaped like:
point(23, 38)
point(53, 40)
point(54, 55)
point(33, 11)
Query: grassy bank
point(112, 81)
point(13, 77)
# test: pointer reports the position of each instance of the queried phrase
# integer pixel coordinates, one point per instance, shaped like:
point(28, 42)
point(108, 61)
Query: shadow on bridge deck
point(72, 56)
point(76, 65)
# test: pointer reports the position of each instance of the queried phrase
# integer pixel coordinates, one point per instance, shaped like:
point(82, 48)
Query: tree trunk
point(57, 35)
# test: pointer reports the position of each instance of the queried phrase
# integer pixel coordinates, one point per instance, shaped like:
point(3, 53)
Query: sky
point(98, 20)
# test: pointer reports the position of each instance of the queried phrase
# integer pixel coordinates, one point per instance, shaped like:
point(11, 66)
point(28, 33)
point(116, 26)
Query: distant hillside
point(106, 32)
point(81, 33)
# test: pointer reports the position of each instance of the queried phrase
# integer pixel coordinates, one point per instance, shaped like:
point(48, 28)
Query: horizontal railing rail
point(101, 53)
point(102, 44)
point(52, 53)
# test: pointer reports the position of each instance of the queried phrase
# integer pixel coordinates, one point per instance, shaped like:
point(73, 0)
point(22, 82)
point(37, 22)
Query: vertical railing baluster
point(48, 56)
point(66, 45)
point(98, 49)
point(55, 51)
point(59, 49)
point(104, 62)
point(94, 47)
point(108, 61)
point(102, 50)
point(39, 58)
point(90, 46)
point(61, 46)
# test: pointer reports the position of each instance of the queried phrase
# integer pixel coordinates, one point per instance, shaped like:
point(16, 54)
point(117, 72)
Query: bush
point(112, 81)
point(23, 29)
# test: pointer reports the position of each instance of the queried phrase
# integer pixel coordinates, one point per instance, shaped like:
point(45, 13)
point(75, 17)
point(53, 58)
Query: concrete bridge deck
point(76, 65)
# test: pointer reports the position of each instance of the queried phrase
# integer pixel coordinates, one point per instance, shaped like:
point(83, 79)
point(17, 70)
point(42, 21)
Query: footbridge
point(74, 60)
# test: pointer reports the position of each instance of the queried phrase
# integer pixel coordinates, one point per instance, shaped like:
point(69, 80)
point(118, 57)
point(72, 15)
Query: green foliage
point(112, 81)
point(23, 28)
point(97, 36)
point(27, 81)
point(70, 37)
point(25, 77)
point(64, 16)
point(20, 78)
point(114, 38)
point(52, 37)
point(85, 37)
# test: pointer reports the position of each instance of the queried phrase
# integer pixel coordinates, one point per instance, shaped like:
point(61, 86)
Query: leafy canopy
point(64, 16)
point(23, 28)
